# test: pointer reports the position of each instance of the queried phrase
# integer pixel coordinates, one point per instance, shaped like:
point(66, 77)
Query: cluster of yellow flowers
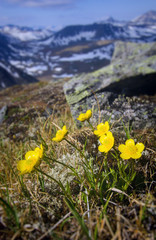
point(129, 150)
point(106, 137)
point(32, 159)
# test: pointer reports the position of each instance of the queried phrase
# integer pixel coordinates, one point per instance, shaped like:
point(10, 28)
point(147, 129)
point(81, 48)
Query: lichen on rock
point(131, 73)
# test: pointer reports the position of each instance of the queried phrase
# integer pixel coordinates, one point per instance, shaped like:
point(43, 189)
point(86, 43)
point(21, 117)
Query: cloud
point(41, 3)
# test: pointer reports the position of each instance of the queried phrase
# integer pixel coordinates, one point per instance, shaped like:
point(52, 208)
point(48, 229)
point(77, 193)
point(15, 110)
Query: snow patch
point(9, 70)
point(82, 35)
point(102, 53)
point(26, 34)
point(38, 69)
point(3, 85)
point(65, 75)
point(57, 69)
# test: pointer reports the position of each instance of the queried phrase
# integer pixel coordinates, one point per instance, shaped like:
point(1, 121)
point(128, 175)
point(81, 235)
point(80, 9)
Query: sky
point(60, 13)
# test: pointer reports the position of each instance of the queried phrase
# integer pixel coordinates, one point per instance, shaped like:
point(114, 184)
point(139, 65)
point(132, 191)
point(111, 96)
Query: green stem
point(104, 162)
point(90, 125)
point(133, 173)
point(132, 166)
point(59, 183)
point(79, 150)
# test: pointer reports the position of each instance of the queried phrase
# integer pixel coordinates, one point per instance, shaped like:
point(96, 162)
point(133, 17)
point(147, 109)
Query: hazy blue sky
point(66, 12)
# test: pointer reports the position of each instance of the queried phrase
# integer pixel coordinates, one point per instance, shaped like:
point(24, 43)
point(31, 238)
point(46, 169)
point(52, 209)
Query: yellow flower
point(39, 151)
point(32, 159)
point(102, 129)
point(130, 150)
point(60, 134)
point(85, 116)
point(107, 142)
point(32, 155)
point(26, 166)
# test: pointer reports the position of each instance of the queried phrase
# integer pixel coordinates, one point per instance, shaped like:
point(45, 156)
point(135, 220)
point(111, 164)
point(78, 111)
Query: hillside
point(10, 75)
point(72, 50)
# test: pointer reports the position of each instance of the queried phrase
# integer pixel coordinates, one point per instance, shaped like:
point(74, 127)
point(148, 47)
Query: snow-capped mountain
point(26, 33)
point(73, 49)
point(105, 31)
point(113, 21)
point(148, 18)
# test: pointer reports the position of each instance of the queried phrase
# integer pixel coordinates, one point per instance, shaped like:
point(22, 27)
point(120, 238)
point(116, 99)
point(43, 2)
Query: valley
point(45, 54)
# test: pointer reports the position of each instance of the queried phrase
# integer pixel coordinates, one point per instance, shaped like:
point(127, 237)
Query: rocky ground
point(24, 106)
point(139, 111)
point(27, 105)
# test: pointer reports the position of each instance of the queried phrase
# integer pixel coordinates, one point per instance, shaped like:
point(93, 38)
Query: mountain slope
point(148, 18)
point(9, 76)
point(26, 33)
point(72, 50)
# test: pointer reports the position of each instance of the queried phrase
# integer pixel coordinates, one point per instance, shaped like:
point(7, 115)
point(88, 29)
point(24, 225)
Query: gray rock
point(2, 113)
point(132, 72)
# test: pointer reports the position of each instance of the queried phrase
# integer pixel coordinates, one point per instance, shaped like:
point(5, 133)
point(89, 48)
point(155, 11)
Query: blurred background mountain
point(30, 54)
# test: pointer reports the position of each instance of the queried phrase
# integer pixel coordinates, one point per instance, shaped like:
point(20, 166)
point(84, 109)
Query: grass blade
point(78, 217)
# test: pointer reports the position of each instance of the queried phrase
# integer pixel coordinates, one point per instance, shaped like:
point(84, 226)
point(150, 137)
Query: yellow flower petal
point(30, 164)
point(96, 132)
point(102, 138)
point(107, 125)
point(107, 142)
point(130, 142)
point(26, 166)
point(109, 134)
point(55, 139)
point(32, 155)
point(122, 148)
point(81, 117)
point(60, 134)
point(39, 151)
point(85, 116)
point(136, 155)
point(64, 129)
point(33, 158)
point(102, 148)
point(21, 166)
point(100, 125)
point(88, 114)
point(102, 129)
point(140, 147)
point(125, 156)
point(106, 136)
point(130, 150)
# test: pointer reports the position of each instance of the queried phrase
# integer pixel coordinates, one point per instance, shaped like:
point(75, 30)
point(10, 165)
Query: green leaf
point(10, 211)
point(78, 217)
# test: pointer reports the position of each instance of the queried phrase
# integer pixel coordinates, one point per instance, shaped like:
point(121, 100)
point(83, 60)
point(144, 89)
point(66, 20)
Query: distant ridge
point(147, 18)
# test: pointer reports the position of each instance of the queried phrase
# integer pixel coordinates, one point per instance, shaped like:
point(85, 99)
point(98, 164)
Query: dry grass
point(82, 47)
point(43, 213)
